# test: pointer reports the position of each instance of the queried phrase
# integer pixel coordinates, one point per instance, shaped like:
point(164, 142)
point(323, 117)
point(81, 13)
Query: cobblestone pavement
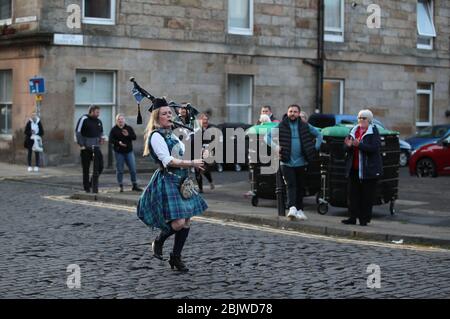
point(41, 237)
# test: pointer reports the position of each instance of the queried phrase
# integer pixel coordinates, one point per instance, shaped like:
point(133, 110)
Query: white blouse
point(161, 149)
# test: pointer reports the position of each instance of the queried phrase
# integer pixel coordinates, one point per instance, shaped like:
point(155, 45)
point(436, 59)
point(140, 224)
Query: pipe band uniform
point(162, 205)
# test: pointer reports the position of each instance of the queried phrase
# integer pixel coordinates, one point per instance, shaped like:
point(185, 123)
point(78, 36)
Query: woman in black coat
point(33, 127)
point(363, 167)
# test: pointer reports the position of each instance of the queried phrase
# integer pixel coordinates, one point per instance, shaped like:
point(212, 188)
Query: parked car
point(428, 135)
point(325, 120)
point(432, 159)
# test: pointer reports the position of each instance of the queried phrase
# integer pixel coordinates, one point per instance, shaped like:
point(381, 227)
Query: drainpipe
point(318, 64)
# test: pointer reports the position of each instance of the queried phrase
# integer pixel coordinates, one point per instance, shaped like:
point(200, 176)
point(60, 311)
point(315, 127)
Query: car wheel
point(426, 168)
point(403, 159)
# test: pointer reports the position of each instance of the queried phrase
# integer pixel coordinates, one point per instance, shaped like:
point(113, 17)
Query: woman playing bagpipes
point(165, 204)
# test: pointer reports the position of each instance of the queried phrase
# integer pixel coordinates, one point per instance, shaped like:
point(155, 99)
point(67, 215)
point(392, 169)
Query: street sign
point(37, 85)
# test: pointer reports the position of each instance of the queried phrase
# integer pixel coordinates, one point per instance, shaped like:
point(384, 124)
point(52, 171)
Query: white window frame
point(341, 92)
point(336, 37)
point(90, 20)
point(429, 37)
point(8, 136)
point(430, 104)
point(113, 104)
point(249, 106)
point(241, 31)
point(8, 21)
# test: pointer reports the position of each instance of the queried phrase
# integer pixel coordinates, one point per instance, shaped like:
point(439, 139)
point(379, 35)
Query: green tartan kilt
point(161, 201)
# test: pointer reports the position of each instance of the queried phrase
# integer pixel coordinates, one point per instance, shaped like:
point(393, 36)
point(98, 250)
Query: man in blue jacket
point(299, 143)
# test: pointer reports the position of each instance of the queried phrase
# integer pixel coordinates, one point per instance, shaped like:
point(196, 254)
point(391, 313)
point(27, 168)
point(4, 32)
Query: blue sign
point(37, 86)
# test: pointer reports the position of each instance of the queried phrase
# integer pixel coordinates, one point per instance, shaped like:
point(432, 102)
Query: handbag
point(187, 187)
point(37, 145)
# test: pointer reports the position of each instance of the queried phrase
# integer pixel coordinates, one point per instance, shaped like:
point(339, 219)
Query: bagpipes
point(139, 94)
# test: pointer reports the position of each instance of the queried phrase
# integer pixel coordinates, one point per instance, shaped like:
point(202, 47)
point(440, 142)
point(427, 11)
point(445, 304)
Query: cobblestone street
point(41, 236)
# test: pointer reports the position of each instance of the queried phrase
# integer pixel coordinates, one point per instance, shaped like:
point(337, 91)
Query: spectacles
point(362, 118)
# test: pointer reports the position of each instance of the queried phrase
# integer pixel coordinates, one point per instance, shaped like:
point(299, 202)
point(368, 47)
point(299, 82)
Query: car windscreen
point(439, 131)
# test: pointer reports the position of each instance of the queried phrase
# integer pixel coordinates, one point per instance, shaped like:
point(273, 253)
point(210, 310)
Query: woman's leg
point(30, 153)
point(119, 167)
point(367, 197)
point(180, 239)
point(37, 156)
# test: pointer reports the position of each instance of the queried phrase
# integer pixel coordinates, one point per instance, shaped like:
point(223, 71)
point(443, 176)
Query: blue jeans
point(129, 159)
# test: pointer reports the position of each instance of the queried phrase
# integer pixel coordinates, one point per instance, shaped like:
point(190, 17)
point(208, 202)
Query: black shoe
point(157, 249)
point(87, 190)
point(363, 222)
point(175, 262)
point(349, 221)
point(121, 188)
point(136, 188)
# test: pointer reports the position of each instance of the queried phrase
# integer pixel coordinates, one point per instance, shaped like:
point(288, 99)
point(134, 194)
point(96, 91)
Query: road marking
point(430, 212)
point(409, 202)
point(256, 227)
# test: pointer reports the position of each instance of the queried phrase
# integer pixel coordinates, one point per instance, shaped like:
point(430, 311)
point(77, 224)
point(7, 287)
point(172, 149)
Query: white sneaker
point(30, 169)
point(292, 213)
point(36, 169)
point(301, 215)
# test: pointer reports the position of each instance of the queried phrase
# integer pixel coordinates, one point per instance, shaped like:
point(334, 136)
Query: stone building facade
point(226, 56)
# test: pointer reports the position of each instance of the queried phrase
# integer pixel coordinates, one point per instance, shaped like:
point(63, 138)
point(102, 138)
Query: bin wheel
point(255, 201)
point(392, 207)
point(322, 208)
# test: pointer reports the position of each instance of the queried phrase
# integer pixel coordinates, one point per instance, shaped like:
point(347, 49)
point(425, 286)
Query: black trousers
point(294, 178)
point(88, 155)
point(361, 196)
point(199, 178)
point(30, 155)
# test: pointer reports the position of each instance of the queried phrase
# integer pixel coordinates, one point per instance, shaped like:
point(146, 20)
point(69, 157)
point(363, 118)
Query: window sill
point(98, 21)
point(6, 137)
point(237, 31)
point(334, 38)
point(6, 21)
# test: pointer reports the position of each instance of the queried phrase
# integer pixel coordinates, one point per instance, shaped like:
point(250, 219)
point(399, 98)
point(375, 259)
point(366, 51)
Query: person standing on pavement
point(204, 124)
point(161, 205)
point(267, 110)
point(122, 137)
point(363, 168)
point(89, 135)
point(33, 132)
point(299, 143)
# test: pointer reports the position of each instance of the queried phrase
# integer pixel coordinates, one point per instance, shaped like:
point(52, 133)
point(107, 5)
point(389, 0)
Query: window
point(333, 96)
point(425, 24)
point(240, 94)
point(5, 12)
point(95, 87)
point(240, 17)
point(5, 101)
point(334, 20)
point(424, 104)
point(99, 11)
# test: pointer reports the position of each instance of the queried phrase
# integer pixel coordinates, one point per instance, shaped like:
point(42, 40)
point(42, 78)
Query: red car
point(432, 159)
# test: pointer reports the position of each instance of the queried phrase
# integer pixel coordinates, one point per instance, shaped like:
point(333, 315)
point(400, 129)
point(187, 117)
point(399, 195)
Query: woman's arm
point(161, 150)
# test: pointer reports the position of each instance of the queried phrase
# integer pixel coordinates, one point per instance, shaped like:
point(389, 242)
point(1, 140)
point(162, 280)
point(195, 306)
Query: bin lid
point(262, 128)
point(342, 130)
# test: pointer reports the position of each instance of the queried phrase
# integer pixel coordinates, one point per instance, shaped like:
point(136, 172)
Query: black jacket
point(370, 161)
point(28, 143)
point(307, 141)
point(89, 131)
point(116, 136)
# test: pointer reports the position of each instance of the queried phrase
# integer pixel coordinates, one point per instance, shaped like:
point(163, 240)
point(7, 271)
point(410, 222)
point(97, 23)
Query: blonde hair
point(119, 115)
point(153, 124)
